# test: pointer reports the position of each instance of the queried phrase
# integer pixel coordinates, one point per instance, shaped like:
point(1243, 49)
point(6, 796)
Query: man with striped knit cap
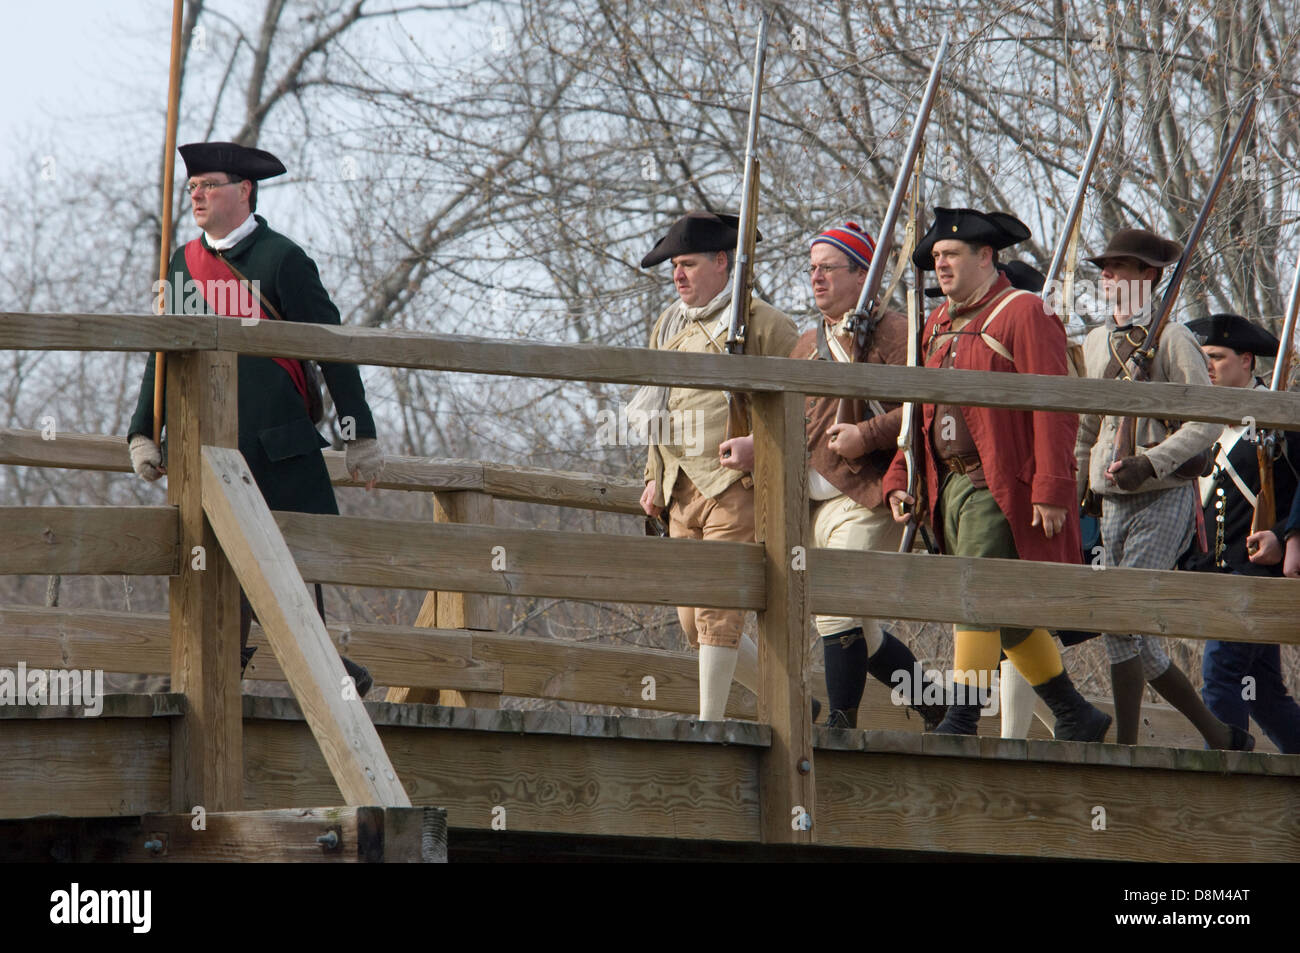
point(845, 464)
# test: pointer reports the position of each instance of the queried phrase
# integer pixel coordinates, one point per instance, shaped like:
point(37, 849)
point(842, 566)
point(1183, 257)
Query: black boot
point(893, 656)
point(245, 656)
point(360, 676)
point(959, 720)
point(1077, 719)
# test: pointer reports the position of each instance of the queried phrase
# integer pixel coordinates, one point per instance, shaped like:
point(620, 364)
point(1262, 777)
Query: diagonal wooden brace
point(252, 543)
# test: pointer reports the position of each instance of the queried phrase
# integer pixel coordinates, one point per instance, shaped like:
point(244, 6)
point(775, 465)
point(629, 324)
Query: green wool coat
point(276, 435)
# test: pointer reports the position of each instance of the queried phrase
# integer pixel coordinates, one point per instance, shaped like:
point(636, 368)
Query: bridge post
point(207, 756)
point(786, 781)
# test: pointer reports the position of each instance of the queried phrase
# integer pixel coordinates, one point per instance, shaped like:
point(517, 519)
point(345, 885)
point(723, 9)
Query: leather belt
point(962, 463)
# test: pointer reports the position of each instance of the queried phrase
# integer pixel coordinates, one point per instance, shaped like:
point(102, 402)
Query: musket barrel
point(743, 266)
point(1080, 190)
point(1283, 362)
point(1176, 279)
point(885, 237)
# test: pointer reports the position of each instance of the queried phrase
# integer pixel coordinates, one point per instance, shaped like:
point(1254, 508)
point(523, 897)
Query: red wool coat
point(1028, 456)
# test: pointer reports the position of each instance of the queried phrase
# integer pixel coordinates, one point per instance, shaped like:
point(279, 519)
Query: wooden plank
point(85, 766)
point(411, 473)
point(363, 835)
point(1023, 593)
point(786, 783)
point(398, 554)
point(591, 491)
point(478, 662)
point(597, 362)
point(28, 331)
point(534, 781)
point(203, 596)
point(453, 610)
point(74, 451)
point(276, 591)
point(89, 540)
point(1005, 806)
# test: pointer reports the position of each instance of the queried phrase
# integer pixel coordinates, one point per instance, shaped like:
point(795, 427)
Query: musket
point(1148, 342)
point(169, 171)
point(862, 321)
point(742, 286)
point(910, 436)
point(1266, 450)
point(1072, 219)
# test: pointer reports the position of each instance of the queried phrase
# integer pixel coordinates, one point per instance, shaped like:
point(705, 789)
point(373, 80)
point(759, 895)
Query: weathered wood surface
point(594, 362)
point(1017, 805)
point(598, 567)
point(86, 767)
point(364, 835)
point(570, 783)
point(1023, 593)
point(29, 331)
point(453, 610)
point(481, 662)
point(89, 540)
point(786, 783)
point(203, 597)
point(279, 597)
point(591, 491)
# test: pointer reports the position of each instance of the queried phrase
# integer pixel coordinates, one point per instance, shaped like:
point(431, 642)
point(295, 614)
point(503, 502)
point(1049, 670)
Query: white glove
point(364, 460)
point(146, 458)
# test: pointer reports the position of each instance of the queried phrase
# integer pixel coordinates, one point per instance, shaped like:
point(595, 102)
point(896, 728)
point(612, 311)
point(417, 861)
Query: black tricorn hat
point(1145, 246)
point(697, 232)
point(997, 229)
point(1234, 331)
point(242, 161)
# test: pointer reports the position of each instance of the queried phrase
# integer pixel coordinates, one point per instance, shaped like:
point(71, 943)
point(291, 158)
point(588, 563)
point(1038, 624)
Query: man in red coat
point(999, 483)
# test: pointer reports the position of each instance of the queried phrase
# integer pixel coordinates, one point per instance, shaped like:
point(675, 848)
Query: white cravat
point(245, 228)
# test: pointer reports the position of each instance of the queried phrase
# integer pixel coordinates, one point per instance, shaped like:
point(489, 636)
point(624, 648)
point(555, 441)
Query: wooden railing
point(761, 576)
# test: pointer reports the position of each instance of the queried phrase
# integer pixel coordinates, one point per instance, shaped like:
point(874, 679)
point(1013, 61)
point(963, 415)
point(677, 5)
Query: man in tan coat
point(846, 461)
point(685, 477)
point(1148, 508)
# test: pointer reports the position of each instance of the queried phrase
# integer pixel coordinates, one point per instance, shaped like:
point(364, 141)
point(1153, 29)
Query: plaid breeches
point(1146, 531)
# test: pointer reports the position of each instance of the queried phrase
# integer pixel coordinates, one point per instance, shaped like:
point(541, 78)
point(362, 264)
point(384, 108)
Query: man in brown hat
point(240, 268)
point(703, 498)
point(999, 483)
point(846, 461)
point(1148, 511)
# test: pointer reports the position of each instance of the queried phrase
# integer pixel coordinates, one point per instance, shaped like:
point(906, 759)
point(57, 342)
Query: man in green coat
point(239, 267)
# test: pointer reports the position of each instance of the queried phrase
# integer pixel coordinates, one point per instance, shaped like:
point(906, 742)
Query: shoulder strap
point(1009, 295)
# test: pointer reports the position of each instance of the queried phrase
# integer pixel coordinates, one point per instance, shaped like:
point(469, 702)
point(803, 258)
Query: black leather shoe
point(842, 719)
point(1077, 719)
point(960, 720)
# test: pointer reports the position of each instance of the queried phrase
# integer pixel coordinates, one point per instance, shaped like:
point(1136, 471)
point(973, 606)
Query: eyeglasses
point(825, 269)
point(200, 188)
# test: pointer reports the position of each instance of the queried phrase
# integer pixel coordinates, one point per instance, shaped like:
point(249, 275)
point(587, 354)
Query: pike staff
point(169, 172)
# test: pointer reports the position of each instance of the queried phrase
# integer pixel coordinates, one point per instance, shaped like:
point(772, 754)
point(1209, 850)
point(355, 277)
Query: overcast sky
point(64, 61)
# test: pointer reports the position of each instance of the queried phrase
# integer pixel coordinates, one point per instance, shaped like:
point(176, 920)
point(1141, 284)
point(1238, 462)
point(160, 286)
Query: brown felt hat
point(1146, 247)
point(696, 232)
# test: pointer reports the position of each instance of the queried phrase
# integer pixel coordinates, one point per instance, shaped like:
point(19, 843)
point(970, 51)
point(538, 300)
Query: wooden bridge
point(129, 783)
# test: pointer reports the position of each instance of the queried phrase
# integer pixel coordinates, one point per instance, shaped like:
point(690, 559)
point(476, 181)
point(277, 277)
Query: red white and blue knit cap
point(850, 239)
